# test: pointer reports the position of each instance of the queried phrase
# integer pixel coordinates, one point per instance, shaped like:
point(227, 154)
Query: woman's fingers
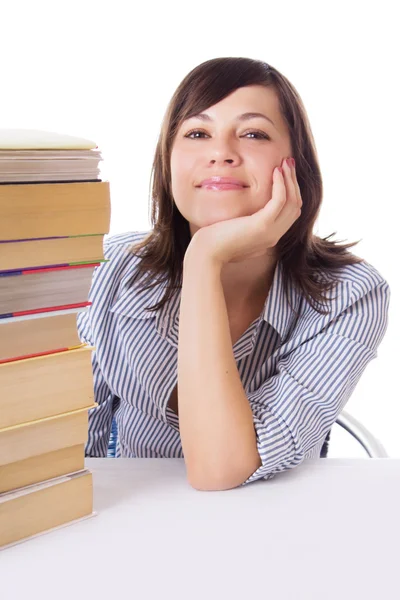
point(289, 181)
point(284, 208)
point(278, 199)
point(292, 208)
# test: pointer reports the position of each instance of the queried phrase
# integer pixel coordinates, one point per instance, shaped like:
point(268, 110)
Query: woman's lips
point(219, 187)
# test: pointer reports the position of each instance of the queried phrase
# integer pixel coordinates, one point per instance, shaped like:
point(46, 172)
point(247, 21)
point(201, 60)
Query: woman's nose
point(223, 153)
point(228, 160)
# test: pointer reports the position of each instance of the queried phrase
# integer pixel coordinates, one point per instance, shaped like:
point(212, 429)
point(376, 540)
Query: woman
point(229, 334)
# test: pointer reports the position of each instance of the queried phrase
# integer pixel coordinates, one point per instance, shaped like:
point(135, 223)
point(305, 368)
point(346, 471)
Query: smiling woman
point(230, 334)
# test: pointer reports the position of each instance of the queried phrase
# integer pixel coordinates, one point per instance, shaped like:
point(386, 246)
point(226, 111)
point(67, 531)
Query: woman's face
point(225, 142)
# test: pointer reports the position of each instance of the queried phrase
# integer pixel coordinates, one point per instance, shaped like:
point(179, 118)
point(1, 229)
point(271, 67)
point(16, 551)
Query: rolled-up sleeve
point(294, 409)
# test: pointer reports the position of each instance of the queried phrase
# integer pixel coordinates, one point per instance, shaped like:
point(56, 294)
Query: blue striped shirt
point(298, 372)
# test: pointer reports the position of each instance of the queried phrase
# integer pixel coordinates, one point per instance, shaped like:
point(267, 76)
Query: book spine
point(53, 237)
point(29, 270)
point(45, 309)
point(56, 351)
point(34, 270)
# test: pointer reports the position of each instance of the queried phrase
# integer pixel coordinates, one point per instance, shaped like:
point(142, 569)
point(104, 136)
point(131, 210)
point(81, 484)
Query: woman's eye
point(190, 134)
point(258, 135)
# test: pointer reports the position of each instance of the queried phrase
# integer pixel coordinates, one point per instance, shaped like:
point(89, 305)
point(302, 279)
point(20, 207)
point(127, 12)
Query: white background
point(106, 71)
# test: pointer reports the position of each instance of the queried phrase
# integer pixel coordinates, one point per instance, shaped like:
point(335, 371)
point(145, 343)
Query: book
point(45, 386)
point(21, 442)
point(38, 139)
point(39, 166)
point(38, 333)
point(41, 449)
point(31, 211)
point(25, 254)
point(45, 289)
point(34, 509)
point(42, 467)
point(33, 155)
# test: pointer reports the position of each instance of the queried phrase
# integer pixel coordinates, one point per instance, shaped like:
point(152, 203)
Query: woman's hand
point(238, 239)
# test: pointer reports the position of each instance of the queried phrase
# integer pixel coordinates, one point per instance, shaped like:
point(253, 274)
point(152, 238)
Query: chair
point(112, 444)
point(371, 445)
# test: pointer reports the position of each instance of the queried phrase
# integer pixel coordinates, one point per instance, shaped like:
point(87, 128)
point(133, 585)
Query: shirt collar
point(278, 312)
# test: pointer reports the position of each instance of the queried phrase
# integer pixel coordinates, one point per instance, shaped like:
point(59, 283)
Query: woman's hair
point(309, 262)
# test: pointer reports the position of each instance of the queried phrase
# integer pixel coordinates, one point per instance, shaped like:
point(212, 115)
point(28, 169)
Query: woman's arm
point(215, 418)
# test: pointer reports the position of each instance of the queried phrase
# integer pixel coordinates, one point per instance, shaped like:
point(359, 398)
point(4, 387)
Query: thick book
point(31, 211)
point(41, 449)
point(25, 254)
point(39, 333)
point(42, 467)
point(45, 386)
point(34, 509)
point(34, 166)
point(22, 442)
point(33, 155)
point(43, 289)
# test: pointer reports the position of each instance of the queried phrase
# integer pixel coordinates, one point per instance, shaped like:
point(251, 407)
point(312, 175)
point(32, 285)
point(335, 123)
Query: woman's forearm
point(215, 418)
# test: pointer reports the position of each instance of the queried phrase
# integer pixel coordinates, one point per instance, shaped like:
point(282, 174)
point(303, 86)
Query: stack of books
point(54, 213)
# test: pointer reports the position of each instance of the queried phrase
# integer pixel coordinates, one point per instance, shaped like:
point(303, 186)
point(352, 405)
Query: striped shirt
point(298, 370)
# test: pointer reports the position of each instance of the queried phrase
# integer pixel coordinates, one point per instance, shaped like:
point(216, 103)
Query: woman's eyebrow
point(243, 117)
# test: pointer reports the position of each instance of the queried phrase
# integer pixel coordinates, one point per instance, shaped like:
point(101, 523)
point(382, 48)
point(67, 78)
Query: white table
point(328, 529)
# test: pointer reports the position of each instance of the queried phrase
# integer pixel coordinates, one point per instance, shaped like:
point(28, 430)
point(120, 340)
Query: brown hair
point(308, 261)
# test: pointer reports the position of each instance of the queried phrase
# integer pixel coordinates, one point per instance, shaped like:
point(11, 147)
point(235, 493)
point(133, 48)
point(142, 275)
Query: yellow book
point(38, 333)
point(42, 467)
point(45, 386)
point(42, 449)
point(35, 509)
point(43, 210)
point(51, 251)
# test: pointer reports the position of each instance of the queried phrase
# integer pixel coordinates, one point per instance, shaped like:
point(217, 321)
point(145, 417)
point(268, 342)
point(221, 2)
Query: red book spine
point(50, 308)
point(69, 267)
point(14, 358)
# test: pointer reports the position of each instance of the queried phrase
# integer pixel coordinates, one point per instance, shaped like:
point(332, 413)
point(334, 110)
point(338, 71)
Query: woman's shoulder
point(116, 246)
point(106, 281)
point(364, 278)
point(360, 279)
